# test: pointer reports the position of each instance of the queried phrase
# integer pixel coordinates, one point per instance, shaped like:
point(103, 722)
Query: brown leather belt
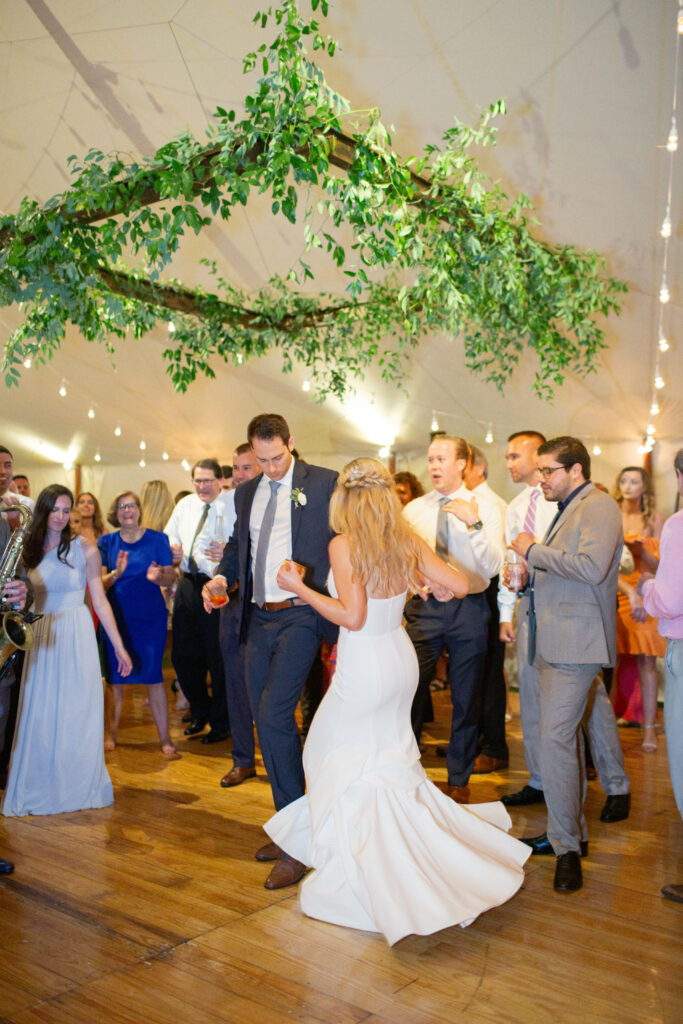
point(279, 606)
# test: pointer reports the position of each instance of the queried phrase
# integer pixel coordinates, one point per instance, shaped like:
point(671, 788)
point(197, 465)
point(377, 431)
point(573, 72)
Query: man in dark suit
point(281, 514)
point(572, 633)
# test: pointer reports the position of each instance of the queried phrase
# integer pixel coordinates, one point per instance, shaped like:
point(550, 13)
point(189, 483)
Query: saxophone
point(16, 633)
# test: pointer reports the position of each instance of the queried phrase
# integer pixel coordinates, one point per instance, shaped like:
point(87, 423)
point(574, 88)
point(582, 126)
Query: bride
point(391, 852)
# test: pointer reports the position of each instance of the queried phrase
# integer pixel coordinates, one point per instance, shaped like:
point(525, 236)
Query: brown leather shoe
point(236, 776)
point(485, 764)
point(461, 794)
point(271, 851)
point(286, 871)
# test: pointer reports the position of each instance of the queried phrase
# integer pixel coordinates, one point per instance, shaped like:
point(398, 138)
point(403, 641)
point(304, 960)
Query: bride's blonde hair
point(366, 509)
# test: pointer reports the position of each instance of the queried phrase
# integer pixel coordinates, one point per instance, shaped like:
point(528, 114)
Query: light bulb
point(306, 386)
point(663, 343)
point(171, 327)
point(117, 431)
point(659, 382)
point(489, 436)
point(654, 408)
point(142, 446)
point(62, 391)
point(91, 413)
point(642, 449)
point(597, 450)
point(97, 457)
point(665, 230)
point(164, 456)
point(68, 465)
point(141, 463)
point(27, 362)
point(384, 452)
point(664, 295)
point(186, 465)
point(435, 423)
point(650, 429)
point(672, 140)
point(239, 358)
point(680, 23)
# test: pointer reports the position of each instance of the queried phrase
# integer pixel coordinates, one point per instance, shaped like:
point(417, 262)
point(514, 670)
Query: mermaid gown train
point(391, 852)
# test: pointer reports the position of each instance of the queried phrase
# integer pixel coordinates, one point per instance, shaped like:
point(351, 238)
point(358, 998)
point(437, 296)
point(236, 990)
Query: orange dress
point(638, 637)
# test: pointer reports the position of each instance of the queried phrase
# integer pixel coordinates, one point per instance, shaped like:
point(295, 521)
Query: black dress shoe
point(6, 867)
point(524, 797)
point(568, 877)
point(213, 736)
point(542, 847)
point(616, 807)
point(195, 725)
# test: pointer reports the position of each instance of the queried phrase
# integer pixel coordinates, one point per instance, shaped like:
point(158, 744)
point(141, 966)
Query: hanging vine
point(433, 246)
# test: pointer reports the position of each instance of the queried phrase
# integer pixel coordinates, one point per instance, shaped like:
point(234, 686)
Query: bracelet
point(114, 575)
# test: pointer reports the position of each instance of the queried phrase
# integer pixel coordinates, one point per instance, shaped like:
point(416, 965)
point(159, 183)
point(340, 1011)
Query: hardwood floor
point(154, 910)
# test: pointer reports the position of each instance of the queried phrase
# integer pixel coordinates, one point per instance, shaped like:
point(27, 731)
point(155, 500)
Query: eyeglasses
point(548, 471)
point(126, 508)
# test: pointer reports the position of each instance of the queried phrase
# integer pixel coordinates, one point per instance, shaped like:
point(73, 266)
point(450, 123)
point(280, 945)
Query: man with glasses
point(571, 635)
point(197, 520)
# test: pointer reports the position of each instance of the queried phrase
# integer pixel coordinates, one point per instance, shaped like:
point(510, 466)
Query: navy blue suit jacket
point(311, 535)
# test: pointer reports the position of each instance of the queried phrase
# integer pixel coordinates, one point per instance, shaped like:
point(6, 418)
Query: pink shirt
point(663, 596)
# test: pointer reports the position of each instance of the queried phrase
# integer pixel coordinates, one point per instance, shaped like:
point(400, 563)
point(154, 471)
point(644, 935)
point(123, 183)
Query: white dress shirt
point(280, 546)
point(514, 525)
point(487, 493)
point(12, 498)
point(478, 554)
point(183, 522)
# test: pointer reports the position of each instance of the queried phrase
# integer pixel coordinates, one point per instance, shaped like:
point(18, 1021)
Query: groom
point(281, 514)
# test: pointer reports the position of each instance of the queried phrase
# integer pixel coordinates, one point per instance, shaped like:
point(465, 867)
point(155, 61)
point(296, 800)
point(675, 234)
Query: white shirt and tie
point(279, 543)
point(194, 528)
point(528, 512)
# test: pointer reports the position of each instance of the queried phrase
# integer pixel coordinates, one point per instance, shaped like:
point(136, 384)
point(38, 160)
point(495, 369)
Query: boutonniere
point(298, 497)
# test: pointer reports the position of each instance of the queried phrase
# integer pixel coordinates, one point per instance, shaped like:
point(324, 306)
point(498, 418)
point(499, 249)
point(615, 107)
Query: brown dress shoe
point(271, 851)
point(485, 764)
point(461, 794)
point(237, 774)
point(286, 871)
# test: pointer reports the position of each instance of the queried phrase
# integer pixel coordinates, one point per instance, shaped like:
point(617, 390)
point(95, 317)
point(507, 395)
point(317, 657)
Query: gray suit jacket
point(575, 573)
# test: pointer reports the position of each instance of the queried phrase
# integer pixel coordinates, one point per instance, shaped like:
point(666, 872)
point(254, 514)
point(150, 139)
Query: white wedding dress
point(391, 852)
point(57, 759)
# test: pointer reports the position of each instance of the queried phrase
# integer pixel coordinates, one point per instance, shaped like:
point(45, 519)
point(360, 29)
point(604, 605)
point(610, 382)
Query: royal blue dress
point(138, 605)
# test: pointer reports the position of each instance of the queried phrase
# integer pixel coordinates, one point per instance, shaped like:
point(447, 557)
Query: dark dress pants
point(460, 626)
point(281, 646)
point(196, 651)
point(492, 695)
point(239, 709)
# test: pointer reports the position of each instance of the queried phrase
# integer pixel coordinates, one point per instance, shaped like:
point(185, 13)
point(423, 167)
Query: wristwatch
point(476, 526)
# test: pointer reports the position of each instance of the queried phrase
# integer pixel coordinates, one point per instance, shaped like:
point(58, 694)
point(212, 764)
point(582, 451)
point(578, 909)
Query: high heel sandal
point(648, 746)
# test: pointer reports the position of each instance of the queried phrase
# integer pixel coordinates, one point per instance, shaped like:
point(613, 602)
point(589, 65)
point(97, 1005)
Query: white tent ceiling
point(589, 87)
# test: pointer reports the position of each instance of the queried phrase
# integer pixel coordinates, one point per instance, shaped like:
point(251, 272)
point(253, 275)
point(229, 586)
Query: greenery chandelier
point(422, 245)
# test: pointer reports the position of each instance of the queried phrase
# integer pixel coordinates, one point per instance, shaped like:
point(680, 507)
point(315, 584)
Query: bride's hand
point(125, 665)
point(289, 576)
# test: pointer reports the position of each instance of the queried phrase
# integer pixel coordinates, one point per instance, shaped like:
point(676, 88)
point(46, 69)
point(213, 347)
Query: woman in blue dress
point(136, 563)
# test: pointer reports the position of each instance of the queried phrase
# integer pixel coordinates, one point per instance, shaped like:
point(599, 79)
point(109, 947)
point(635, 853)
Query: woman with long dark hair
point(391, 852)
point(57, 759)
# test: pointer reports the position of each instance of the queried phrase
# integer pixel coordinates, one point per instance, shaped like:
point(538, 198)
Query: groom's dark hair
point(268, 425)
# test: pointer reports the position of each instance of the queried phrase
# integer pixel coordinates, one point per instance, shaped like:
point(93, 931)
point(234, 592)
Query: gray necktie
point(263, 542)
point(191, 564)
point(442, 530)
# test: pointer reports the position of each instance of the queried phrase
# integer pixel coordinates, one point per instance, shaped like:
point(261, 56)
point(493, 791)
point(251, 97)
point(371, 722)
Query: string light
point(171, 327)
point(672, 140)
point(91, 413)
point(239, 358)
point(597, 450)
point(651, 429)
point(435, 423)
point(186, 465)
point(117, 431)
point(664, 295)
point(489, 435)
point(663, 343)
point(142, 446)
point(659, 382)
point(164, 456)
point(97, 457)
point(68, 465)
point(142, 463)
point(62, 389)
point(665, 230)
point(654, 408)
point(306, 386)
point(27, 362)
point(384, 452)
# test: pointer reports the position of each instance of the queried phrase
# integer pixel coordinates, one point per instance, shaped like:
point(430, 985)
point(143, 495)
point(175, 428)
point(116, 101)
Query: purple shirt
point(663, 596)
